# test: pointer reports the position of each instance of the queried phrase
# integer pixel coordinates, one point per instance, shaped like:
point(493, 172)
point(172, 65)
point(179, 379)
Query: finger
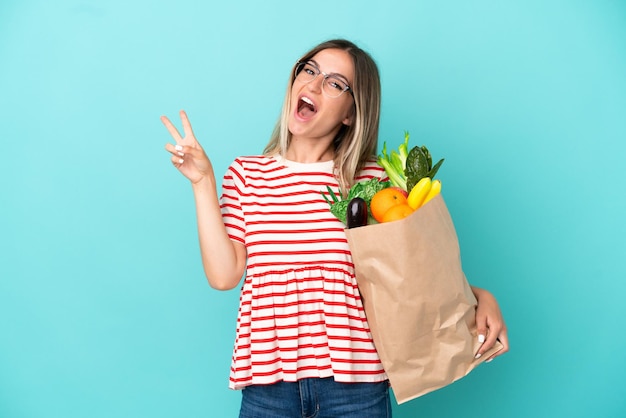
point(481, 329)
point(490, 341)
point(171, 129)
point(175, 149)
point(504, 340)
point(489, 337)
point(186, 125)
point(177, 161)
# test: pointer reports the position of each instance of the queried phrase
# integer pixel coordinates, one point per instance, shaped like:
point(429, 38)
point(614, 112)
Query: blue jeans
point(316, 398)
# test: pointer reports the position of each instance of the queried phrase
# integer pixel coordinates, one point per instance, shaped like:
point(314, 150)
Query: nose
point(317, 83)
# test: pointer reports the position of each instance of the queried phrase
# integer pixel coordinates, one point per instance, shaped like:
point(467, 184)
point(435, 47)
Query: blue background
point(104, 309)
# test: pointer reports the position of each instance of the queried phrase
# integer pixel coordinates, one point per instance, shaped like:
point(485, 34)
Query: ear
point(349, 118)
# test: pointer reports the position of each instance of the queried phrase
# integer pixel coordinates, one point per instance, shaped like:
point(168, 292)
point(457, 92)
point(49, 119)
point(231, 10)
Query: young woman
point(303, 346)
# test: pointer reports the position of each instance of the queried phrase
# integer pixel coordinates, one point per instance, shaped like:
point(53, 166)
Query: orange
point(397, 212)
point(384, 200)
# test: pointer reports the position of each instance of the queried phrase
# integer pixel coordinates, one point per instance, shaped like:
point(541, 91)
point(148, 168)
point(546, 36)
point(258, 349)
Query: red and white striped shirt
point(300, 312)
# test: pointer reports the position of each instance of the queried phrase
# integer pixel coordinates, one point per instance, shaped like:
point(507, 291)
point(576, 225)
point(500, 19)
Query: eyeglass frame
point(326, 76)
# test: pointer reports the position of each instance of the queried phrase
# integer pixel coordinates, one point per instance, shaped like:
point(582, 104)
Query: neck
point(309, 153)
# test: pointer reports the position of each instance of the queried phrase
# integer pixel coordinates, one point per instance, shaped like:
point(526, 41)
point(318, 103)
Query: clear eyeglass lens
point(334, 86)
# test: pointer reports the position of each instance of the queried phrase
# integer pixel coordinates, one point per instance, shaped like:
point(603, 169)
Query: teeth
point(307, 100)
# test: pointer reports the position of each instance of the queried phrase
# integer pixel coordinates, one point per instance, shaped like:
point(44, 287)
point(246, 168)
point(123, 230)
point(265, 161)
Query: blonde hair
point(354, 144)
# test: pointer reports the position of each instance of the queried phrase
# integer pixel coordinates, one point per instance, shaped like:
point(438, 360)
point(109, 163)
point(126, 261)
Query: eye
point(336, 84)
point(310, 69)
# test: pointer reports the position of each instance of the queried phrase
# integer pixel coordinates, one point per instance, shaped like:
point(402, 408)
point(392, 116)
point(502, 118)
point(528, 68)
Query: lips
point(306, 108)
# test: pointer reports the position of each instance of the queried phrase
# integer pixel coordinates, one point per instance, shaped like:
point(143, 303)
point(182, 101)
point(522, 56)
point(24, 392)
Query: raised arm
point(223, 260)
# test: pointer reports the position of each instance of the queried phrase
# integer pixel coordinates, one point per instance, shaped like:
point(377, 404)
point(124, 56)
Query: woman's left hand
point(490, 323)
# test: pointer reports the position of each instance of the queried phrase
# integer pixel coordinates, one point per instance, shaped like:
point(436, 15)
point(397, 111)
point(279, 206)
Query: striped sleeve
point(233, 186)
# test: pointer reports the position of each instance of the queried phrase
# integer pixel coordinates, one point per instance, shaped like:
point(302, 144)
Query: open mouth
point(306, 107)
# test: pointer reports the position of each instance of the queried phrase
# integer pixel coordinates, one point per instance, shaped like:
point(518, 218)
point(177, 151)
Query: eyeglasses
point(332, 85)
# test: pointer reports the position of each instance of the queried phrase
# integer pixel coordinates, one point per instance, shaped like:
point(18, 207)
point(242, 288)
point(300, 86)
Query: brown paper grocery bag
point(418, 303)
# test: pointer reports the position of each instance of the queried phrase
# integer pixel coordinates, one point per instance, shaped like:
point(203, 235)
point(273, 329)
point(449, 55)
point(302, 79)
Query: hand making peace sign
point(187, 155)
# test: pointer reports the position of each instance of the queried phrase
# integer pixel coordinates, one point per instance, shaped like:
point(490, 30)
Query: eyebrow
point(333, 74)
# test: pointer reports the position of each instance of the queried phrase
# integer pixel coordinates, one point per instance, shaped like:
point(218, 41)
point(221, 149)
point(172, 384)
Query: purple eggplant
point(356, 213)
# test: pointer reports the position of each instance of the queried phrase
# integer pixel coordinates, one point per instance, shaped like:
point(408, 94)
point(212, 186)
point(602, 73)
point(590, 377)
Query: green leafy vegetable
point(434, 169)
point(416, 167)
